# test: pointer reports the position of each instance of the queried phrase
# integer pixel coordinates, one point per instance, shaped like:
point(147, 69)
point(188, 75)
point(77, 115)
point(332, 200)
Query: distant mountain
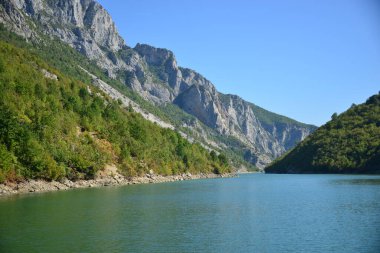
point(180, 96)
point(349, 143)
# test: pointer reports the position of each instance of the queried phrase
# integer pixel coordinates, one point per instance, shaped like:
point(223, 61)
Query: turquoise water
point(251, 213)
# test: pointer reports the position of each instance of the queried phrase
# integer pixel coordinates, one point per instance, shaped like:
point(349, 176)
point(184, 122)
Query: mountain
point(151, 77)
point(349, 143)
point(53, 126)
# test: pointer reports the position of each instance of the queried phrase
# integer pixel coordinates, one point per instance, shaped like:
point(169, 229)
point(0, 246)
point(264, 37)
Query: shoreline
point(40, 186)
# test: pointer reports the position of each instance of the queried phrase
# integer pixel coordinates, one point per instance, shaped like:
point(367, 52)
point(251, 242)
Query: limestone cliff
point(153, 73)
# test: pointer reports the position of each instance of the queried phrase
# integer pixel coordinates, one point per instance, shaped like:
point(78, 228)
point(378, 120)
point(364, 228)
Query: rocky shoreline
point(36, 186)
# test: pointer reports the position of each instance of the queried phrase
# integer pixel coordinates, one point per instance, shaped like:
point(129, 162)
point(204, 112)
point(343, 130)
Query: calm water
point(252, 213)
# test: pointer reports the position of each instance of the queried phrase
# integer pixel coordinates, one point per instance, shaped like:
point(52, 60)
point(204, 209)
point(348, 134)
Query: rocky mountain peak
point(83, 14)
point(154, 74)
point(83, 24)
point(155, 56)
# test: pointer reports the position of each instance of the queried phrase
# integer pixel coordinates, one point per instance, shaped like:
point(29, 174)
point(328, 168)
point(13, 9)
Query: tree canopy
point(52, 129)
point(349, 143)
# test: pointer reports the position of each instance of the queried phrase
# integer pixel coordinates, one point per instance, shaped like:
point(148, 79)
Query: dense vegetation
point(52, 129)
point(349, 143)
point(66, 59)
point(269, 118)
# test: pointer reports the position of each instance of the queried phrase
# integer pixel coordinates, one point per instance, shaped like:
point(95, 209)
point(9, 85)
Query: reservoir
point(249, 213)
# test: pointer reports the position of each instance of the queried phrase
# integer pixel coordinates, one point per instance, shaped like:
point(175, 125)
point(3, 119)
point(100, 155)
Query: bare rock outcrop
point(154, 74)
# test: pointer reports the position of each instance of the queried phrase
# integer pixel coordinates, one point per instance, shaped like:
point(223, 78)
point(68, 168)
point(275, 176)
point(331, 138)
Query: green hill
point(54, 126)
point(66, 60)
point(349, 143)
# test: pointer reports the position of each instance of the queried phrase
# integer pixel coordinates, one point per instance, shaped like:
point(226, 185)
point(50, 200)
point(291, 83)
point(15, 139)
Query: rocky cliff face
point(231, 115)
point(153, 73)
point(83, 24)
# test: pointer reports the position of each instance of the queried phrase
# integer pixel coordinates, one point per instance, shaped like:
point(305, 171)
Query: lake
point(250, 213)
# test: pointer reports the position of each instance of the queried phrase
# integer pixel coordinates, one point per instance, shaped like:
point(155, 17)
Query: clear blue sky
point(305, 59)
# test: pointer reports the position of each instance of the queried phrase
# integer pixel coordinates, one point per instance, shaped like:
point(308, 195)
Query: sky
point(304, 59)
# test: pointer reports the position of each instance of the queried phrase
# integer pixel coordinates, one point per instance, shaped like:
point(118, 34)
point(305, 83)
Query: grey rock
point(83, 24)
point(154, 74)
point(49, 75)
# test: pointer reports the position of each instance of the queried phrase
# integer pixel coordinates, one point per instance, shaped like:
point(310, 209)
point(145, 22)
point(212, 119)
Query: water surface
point(252, 213)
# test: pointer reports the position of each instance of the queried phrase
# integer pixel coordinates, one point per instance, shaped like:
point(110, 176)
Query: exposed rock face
point(231, 115)
point(154, 74)
point(83, 24)
point(158, 74)
point(201, 102)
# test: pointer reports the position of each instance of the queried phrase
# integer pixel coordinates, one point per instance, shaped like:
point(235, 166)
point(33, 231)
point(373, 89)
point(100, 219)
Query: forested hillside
point(53, 126)
point(349, 143)
point(71, 33)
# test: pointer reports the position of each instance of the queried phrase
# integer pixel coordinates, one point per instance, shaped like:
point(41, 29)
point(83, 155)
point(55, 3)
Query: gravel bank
point(35, 186)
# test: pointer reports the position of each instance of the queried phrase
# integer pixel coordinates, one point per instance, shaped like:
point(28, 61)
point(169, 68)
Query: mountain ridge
point(348, 143)
point(153, 73)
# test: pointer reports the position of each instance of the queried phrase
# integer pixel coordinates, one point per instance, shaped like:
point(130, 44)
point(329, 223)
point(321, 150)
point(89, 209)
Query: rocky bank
point(37, 186)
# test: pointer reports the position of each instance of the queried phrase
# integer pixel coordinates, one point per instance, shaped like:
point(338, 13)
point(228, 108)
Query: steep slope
point(83, 24)
point(52, 127)
point(349, 143)
point(269, 135)
point(224, 122)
